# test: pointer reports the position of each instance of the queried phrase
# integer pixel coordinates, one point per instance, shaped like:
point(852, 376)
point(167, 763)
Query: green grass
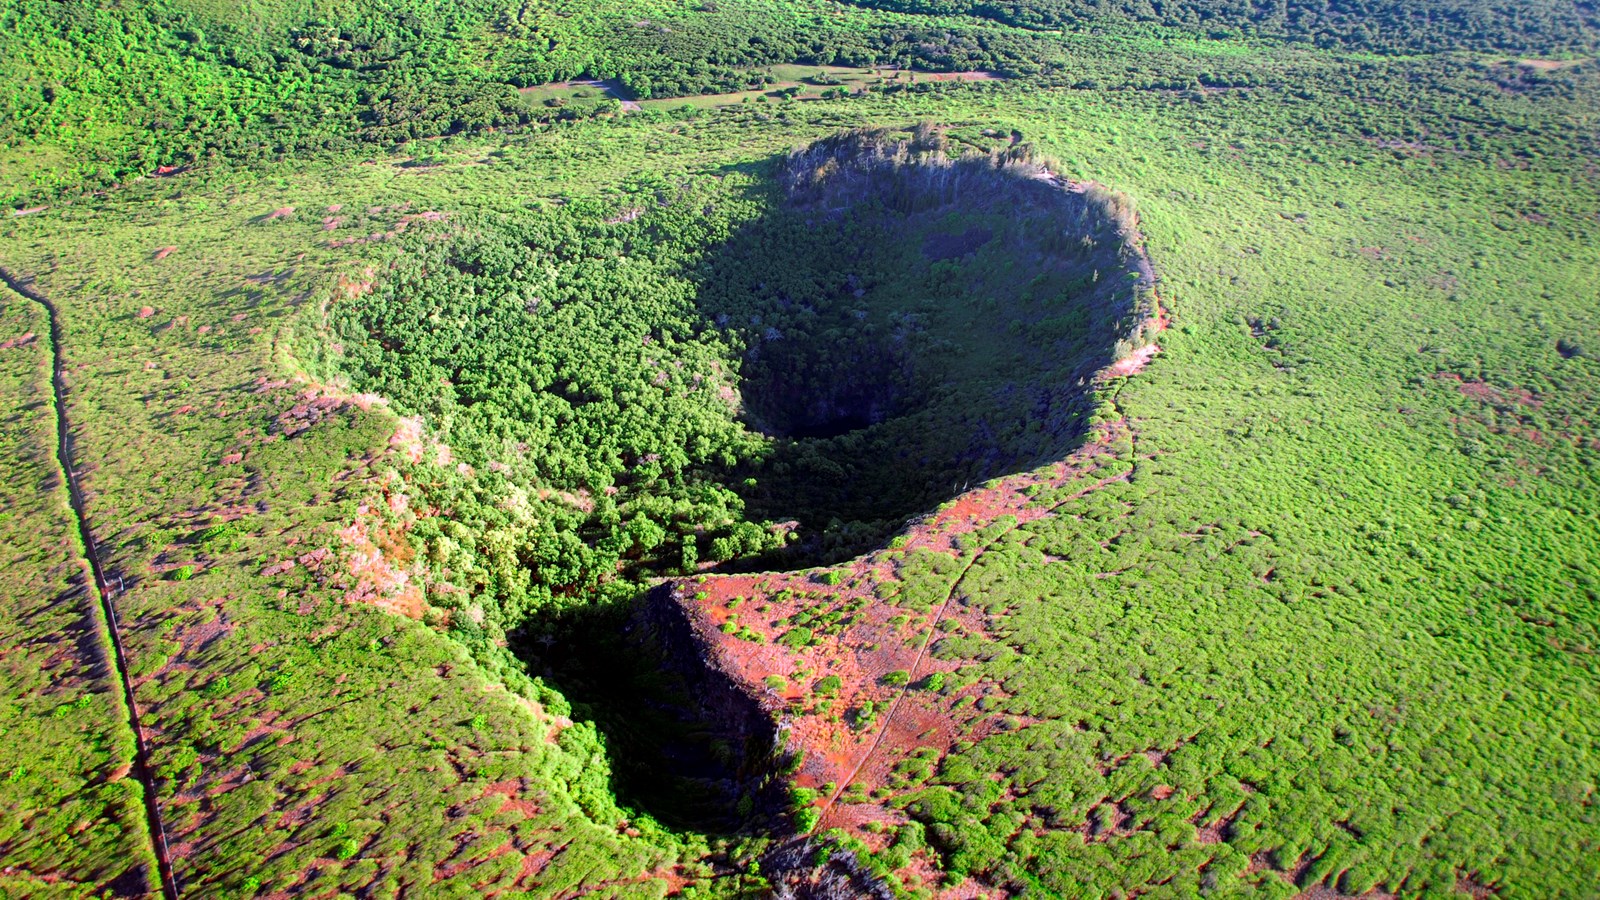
point(264, 690)
point(1341, 615)
point(799, 82)
point(77, 822)
point(577, 97)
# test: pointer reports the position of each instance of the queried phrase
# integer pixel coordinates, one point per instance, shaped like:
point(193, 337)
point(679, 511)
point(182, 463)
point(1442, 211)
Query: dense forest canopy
point(713, 448)
point(123, 88)
point(1386, 26)
point(659, 385)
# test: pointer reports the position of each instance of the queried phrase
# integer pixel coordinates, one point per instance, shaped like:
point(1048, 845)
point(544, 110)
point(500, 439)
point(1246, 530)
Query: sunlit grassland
point(1346, 600)
point(77, 820)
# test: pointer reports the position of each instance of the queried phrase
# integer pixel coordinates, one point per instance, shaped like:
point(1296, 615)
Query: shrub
point(795, 638)
point(805, 820)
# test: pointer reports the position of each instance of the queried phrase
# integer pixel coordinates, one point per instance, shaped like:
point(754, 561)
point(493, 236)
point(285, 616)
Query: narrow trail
point(933, 627)
point(101, 591)
point(933, 624)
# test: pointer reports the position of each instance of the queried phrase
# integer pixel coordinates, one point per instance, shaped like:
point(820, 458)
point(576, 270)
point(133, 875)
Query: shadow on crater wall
point(915, 323)
point(686, 744)
point(908, 325)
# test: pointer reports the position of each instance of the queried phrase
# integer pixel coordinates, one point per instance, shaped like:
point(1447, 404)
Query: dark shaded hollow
point(914, 324)
point(686, 745)
point(905, 334)
point(859, 393)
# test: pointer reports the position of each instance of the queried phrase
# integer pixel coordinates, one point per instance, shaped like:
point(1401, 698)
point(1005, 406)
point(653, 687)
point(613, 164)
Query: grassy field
point(1310, 612)
point(258, 673)
point(772, 83)
point(580, 97)
point(793, 82)
point(78, 825)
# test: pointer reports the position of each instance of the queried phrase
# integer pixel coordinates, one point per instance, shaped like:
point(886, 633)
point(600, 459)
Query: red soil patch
point(164, 252)
point(874, 639)
point(146, 312)
point(32, 210)
point(377, 557)
point(512, 791)
point(1323, 892)
point(1484, 392)
point(282, 212)
point(897, 709)
point(394, 230)
point(311, 409)
point(349, 288)
point(1131, 365)
point(21, 340)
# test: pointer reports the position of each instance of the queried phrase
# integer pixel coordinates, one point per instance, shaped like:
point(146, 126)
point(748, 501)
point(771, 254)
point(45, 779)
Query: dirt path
point(99, 587)
point(611, 87)
point(615, 92)
point(933, 628)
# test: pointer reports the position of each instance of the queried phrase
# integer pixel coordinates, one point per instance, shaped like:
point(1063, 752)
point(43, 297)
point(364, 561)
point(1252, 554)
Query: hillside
point(1159, 461)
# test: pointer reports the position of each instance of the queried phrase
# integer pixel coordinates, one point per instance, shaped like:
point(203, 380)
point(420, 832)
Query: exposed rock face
point(914, 320)
point(739, 723)
point(746, 717)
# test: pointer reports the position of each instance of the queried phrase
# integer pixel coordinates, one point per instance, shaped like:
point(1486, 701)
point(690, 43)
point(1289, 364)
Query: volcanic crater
point(943, 320)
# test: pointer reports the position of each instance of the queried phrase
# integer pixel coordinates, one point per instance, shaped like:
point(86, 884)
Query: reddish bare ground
point(378, 557)
point(1131, 365)
point(851, 760)
point(1484, 392)
point(1323, 892)
point(878, 638)
point(394, 230)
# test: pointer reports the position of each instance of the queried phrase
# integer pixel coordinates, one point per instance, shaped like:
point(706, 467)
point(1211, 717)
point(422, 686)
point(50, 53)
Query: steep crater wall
point(878, 326)
point(913, 322)
point(688, 743)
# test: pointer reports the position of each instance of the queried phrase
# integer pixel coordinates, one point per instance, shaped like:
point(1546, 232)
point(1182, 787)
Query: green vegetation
point(77, 816)
point(1327, 616)
point(1385, 25)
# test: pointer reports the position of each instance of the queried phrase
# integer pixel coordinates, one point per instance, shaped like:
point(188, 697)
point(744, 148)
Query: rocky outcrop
point(743, 728)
